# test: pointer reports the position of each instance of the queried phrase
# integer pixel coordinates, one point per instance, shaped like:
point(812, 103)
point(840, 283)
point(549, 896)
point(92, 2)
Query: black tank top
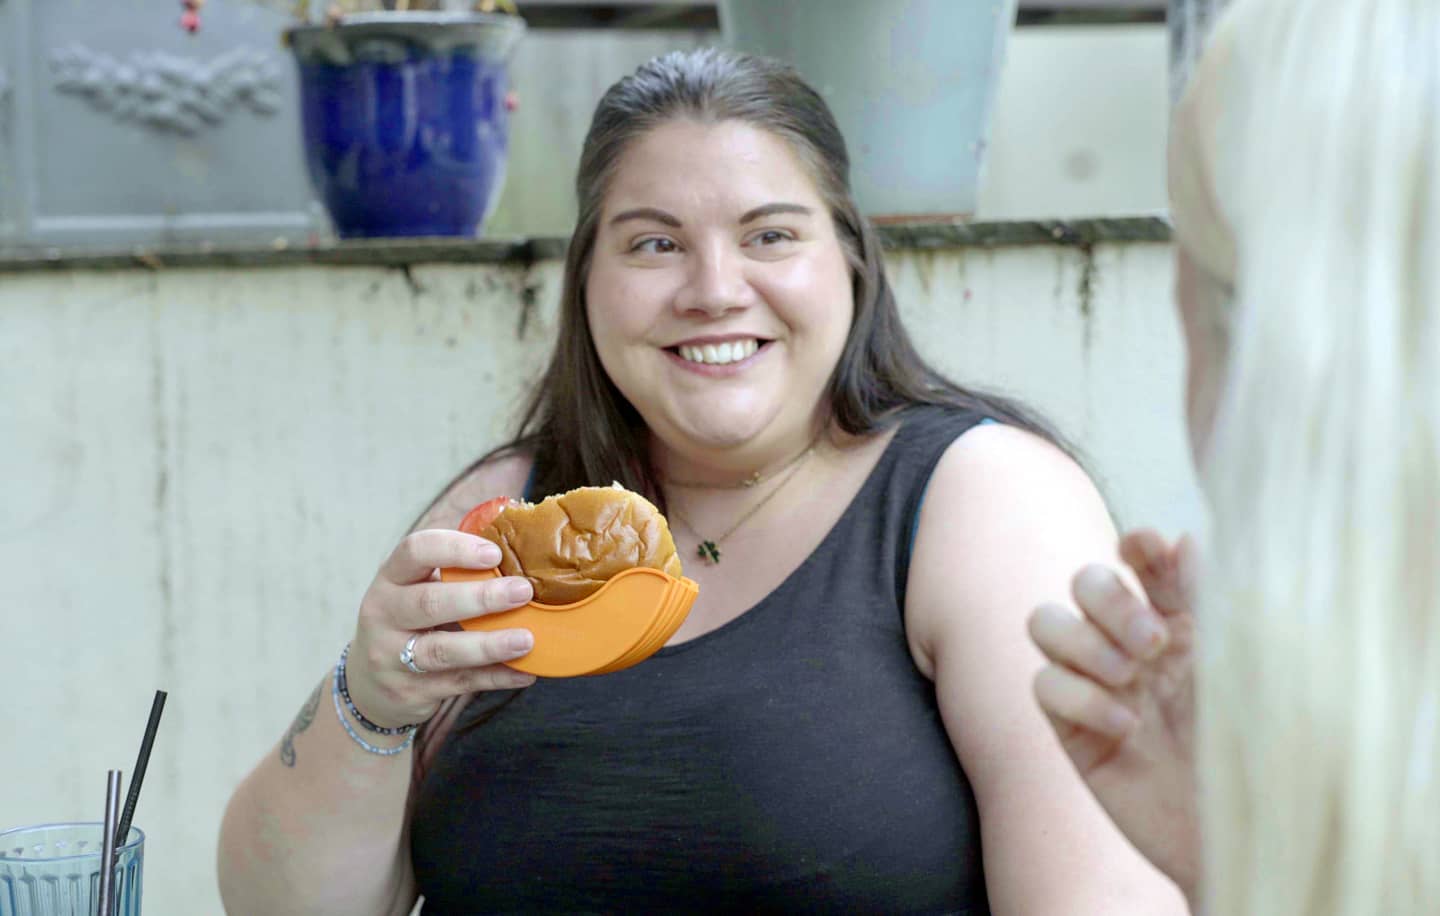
point(793, 759)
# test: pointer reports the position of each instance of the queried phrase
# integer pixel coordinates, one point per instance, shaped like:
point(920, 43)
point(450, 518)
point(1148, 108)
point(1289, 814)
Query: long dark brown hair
point(577, 425)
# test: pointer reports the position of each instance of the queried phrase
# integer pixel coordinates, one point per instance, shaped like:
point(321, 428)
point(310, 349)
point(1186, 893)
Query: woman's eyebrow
point(660, 216)
point(650, 213)
point(772, 209)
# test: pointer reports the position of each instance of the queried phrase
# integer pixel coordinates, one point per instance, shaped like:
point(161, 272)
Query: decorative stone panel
point(119, 129)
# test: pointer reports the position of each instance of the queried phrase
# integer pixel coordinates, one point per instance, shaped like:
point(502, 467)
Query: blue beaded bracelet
point(355, 736)
point(365, 723)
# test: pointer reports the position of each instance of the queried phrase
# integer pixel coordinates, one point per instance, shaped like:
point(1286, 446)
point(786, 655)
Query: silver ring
point(407, 655)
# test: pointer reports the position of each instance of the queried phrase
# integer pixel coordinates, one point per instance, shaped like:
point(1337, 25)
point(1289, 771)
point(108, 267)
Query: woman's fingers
point(1165, 572)
point(439, 652)
point(414, 598)
point(471, 680)
point(450, 663)
point(1078, 701)
point(1187, 570)
point(432, 604)
point(420, 553)
point(464, 662)
point(1129, 622)
point(1078, 644)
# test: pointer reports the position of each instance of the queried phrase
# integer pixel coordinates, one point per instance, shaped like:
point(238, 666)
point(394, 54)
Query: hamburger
point(569, 545)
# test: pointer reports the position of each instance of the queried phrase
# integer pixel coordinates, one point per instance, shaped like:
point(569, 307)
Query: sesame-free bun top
point(570, 545)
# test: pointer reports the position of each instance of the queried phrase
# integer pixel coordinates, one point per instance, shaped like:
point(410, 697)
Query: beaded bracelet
point(350, 705)
point(355, 736)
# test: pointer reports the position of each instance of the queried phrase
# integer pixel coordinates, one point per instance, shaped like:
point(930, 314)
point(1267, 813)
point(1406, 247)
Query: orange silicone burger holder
point(623, 623)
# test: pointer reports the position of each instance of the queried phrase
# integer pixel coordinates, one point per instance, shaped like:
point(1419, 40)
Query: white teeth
point(720, 354)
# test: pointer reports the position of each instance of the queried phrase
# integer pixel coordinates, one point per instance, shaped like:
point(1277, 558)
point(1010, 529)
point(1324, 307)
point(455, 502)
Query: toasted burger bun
point(570, 545)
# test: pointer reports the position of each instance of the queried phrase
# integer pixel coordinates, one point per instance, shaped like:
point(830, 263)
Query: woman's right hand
point(1119, 691)
point(408, 599)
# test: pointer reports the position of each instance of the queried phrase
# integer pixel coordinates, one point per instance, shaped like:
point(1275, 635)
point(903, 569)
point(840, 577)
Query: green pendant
point(708, 552)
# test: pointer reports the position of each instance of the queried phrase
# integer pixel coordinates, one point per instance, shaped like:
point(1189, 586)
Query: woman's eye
point(771, 237)
point(655, 246)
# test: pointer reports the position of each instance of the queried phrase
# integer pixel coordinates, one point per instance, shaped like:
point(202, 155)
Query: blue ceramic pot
point(405, 119)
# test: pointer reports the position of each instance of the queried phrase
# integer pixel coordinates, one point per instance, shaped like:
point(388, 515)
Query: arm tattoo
point(302, 722)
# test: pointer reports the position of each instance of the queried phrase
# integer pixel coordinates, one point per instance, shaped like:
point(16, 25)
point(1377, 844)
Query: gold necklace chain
point(754, 480)
point(709, 548)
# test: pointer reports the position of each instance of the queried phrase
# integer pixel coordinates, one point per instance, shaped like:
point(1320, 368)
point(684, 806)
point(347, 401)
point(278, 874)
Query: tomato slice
point(480, 517)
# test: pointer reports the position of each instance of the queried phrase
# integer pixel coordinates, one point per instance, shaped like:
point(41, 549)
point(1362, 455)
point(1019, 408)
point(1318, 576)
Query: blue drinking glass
point(54, 870)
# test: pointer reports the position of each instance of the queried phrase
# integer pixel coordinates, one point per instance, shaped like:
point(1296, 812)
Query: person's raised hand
point(1119, 690)
point(408, 601)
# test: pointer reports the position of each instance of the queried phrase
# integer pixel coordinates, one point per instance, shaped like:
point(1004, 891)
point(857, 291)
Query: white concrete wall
point(559, 76)
point(1080, 124)
point(202, 469)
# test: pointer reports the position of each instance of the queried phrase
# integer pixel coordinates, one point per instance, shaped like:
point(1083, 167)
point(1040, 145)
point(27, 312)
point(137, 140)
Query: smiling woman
point(843, 722)
point(720, 246)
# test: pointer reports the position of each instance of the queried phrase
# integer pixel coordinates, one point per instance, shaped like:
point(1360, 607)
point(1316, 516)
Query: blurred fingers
point(1187, 570)
point(1129, 622)
point(1145, 549)
point(1067, 697)
point(1159, 567)
point(1075, 643)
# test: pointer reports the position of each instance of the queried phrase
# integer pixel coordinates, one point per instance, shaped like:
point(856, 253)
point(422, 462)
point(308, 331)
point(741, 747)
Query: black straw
point(137, 776)
point(106, 904)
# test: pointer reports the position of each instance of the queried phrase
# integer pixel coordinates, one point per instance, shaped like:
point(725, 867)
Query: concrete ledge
point(1081, 233)
point(404, 252)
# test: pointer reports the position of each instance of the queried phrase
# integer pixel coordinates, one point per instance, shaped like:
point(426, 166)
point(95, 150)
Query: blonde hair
point(1306, 171)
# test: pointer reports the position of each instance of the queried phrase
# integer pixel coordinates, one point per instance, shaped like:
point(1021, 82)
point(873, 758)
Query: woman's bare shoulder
point(502, 475)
